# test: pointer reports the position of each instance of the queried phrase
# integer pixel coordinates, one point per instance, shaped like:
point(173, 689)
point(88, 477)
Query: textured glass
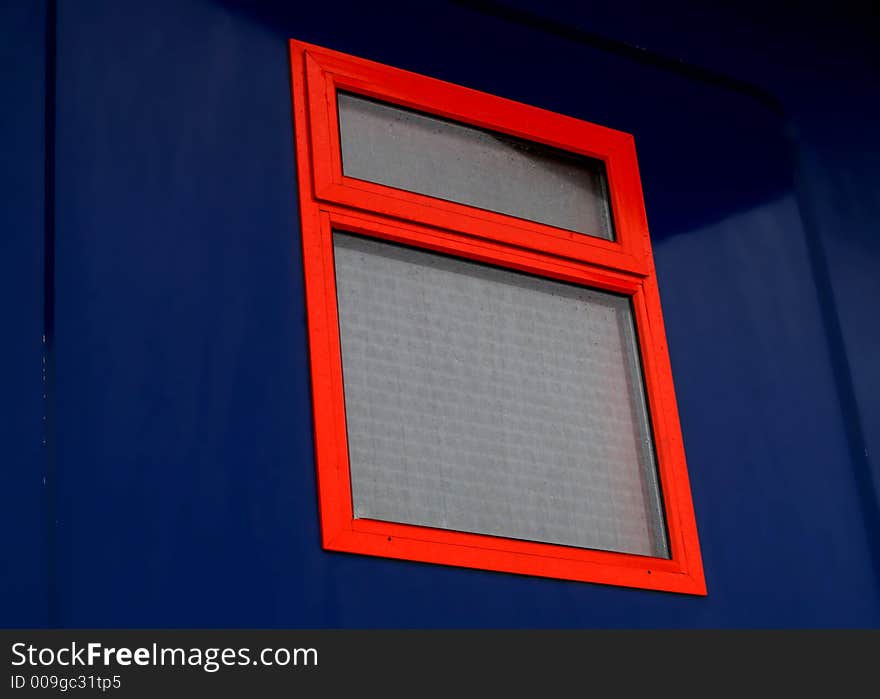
point(487, 401)
point(424, 154)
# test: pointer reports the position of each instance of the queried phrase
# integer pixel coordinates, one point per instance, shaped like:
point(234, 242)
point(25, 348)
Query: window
point(491, 385)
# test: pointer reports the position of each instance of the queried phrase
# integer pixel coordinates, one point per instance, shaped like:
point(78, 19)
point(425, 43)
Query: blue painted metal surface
point(24, 556)
point(185, 489)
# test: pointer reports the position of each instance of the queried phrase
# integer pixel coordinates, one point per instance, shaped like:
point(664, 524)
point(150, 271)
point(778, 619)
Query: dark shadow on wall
point(867, 483)
point(496, 52)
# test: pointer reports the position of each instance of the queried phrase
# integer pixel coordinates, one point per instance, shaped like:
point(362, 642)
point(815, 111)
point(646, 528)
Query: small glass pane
point(488, 401)
point(428, 155)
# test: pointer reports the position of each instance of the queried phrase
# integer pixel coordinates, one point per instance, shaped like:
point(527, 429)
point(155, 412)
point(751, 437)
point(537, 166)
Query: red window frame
point(331, 201)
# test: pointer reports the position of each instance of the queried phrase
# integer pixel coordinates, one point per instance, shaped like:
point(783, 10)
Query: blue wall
point(24, 555)
point(181, 486)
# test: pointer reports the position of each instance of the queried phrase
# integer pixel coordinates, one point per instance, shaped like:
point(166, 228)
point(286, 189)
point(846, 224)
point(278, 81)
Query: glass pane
point(424, 154)
point(483, 400)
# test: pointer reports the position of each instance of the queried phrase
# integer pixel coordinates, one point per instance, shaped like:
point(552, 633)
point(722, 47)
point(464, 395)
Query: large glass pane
point(483, 400)
point(409, 150)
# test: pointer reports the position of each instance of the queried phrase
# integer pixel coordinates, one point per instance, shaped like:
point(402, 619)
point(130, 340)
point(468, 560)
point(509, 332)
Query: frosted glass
point(483, 400)
point(409, 150)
